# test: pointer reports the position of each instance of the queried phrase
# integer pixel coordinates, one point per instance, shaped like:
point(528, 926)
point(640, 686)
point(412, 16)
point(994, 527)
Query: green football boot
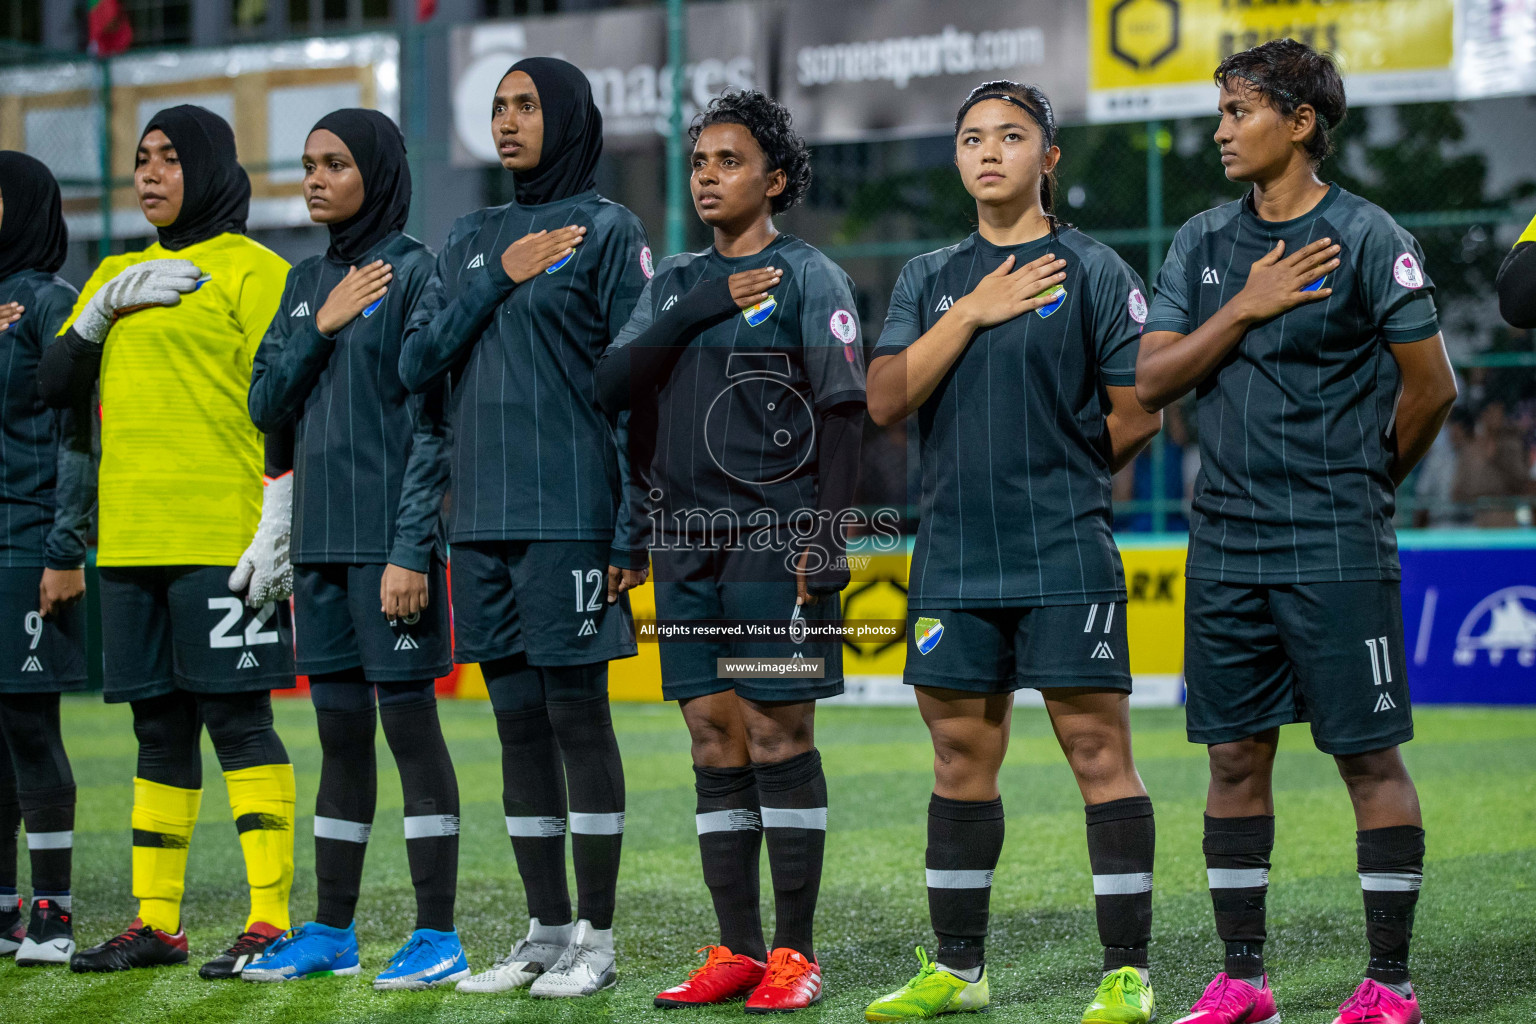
point(932, 993)
point(1122, 998)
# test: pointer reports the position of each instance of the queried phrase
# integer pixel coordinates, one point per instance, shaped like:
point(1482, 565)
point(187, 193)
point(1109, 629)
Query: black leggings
point(515, 685)
point(30, 742)
point(169, 727)
point(348, 691)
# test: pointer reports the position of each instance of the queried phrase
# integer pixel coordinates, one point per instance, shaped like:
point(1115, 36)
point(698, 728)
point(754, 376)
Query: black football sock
point(533, 797)
point(343, 811)
point(431, 793)
point(50, 818)
point(1237, 852)
point(1391, 864)
point(730, 840)
point(44, 789)
point(10, 827)
point(965, 839)
point(594, 777)
point(793, 795)
point(1121, 838)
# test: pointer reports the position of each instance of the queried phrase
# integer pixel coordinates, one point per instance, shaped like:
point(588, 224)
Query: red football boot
point(722, 977)
point(791, 983)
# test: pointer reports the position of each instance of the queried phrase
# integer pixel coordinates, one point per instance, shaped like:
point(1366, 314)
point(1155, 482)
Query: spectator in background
point(1140, 482)
point(1492, 465)
point(1435, 480)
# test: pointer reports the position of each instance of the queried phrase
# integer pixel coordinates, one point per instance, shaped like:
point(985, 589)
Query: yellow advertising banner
point(1155, 57)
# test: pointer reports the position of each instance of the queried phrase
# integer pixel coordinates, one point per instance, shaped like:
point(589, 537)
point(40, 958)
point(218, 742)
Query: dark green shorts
point(740, 583)
point(1331, 654)
point(177, 627)
point(999, 650)
point(38, 655)
point(547, 599)
point(338, 625)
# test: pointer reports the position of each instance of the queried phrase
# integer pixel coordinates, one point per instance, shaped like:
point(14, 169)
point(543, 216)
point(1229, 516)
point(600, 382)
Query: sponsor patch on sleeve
point(1406, 271)
point(647, 266)
point(844, 327)
point(1137, 304)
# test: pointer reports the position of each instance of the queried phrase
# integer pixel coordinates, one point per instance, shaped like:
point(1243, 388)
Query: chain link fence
point(1454, 174)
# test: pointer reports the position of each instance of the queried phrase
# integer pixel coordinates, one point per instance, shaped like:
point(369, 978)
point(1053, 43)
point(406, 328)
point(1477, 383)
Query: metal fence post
point(677, 53)
point(104, 244)
point(413, 102)
point(1160, 501)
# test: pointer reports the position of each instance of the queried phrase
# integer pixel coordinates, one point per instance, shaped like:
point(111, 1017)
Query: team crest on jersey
point(202, 281)
point(1315, 285)
point(844, 327)
point(929, 633)
point(1406, 271)
point(755, 315)
point(562, 261)
point(373, 307)
point(1137, 304)
point(647, 267)
point(1060, 296)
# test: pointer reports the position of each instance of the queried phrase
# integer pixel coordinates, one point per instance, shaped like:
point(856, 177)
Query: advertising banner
point(887, 68)
point(1469, 624)
point(1154, 58)
point(852, 70)
point(1496, 48)
point(623, 52)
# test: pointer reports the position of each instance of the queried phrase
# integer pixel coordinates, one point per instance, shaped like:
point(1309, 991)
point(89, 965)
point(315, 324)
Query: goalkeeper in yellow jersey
point(171, 333)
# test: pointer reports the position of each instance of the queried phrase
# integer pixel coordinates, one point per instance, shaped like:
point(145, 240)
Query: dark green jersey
point(47, 469)
point(533, 456)
point(1015, 448)
point(370, 459)
point(1296, 422)
point(735, 438)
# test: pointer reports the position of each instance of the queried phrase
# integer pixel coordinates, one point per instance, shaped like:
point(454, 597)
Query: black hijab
point(216, 193)
point(573, 133)
point(378, 149)
point(32, 231)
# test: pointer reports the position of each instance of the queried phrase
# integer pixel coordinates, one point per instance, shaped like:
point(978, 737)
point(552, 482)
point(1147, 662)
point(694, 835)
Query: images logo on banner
point(1469, 623)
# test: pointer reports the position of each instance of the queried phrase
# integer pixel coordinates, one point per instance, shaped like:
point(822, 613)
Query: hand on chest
point(1337, 321)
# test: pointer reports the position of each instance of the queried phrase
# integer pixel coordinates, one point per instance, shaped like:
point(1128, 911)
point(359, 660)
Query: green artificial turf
point(1475, 768)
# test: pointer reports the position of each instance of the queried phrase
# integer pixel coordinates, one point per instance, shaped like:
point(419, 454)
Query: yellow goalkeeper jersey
point(1529, 234)
point(181, 462)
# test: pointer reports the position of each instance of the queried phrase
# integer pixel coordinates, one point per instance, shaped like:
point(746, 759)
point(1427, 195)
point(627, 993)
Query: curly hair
point(771, 126)
point(1290, 74)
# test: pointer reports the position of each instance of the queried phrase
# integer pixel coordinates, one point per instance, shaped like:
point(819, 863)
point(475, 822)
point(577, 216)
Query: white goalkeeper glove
point(265, 567)
point(151, 283)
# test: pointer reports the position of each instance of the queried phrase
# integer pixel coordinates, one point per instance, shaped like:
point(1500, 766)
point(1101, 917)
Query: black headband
point(1046, 130)
point(1285, 94)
